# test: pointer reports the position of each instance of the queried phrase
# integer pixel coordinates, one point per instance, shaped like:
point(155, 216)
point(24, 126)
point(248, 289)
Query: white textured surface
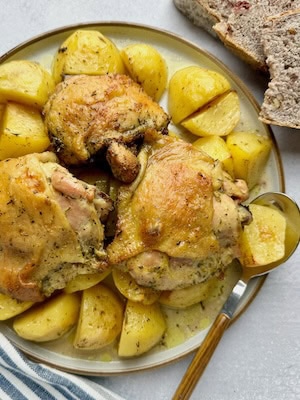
point(259, 356)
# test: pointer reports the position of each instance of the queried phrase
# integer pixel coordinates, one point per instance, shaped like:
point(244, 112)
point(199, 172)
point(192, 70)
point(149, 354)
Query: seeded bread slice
point(205, 13)
point(242, 31)
point(238, 24)
point(281, 38)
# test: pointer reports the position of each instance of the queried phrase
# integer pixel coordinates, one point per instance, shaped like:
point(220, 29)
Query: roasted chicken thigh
point(87, 115)
point(51, 227)
point(180, 221)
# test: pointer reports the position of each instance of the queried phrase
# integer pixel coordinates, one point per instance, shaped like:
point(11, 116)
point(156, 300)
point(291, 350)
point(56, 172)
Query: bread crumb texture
point(281, 46)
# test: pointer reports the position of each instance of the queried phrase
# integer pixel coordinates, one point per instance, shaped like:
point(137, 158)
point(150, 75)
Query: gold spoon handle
point(202, 357)
point(291, 211)
point(210, 343)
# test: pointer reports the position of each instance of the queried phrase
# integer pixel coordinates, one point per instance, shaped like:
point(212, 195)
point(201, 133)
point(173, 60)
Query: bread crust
point(199, 12)
point(254, 58)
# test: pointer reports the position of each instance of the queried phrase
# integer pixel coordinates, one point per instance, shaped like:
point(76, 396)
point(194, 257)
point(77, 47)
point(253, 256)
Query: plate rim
point(238, 81)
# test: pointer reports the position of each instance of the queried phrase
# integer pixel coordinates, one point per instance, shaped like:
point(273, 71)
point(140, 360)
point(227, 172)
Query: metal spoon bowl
point(289, 208)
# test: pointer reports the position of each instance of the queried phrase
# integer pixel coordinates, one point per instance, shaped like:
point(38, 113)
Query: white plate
point(178, 53)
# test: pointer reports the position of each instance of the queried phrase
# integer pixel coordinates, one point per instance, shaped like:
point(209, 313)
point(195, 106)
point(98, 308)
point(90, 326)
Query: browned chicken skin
point(87, 114)
point(51, 229)
point(178, 223)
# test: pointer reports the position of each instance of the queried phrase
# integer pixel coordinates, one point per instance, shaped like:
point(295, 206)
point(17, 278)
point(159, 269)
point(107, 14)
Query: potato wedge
point(147, 67)
point(86, 52)
point(131, 290)
point(48, 320)
point(82, 282)
point(263, 240)
point(219, 117)
point(10, 307)
point(100, 320)
point(191, 88)
point(216, 147)
point(22, 131)
point(2, 109)
point(186, 297)
point(143, 327)
point(25, 82)
point(250, 152)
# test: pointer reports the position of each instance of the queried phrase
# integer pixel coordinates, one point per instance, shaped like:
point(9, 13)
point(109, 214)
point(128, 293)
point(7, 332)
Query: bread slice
point(242, 31)
point(238, 24)
point(205, 13)
point(281, 38)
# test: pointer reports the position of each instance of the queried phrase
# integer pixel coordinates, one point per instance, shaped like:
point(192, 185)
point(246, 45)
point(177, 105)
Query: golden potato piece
point(86, 52)
point(128, 287)
point(250, 152)
point(216, 147)
point(2, 109)
point(186, 297)
point(48, 320)
point(263, 240)
point(82, 282)
point(100, 320)
point(25, 82)
point(219, 117)
point(147, 67)
point(191, 88)
point(143, 327)
point(10, 307)
point(22, 131)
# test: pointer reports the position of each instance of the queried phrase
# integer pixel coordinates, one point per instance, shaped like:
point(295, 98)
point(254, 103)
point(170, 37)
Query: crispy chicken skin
point(177, 225)
point(86, 114)
point(51, 227)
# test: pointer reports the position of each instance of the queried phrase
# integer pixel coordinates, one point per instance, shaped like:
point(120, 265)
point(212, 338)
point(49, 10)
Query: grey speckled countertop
point(259, 356)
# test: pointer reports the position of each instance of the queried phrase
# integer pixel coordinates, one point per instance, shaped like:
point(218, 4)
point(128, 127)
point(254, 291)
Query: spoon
point(292, 214)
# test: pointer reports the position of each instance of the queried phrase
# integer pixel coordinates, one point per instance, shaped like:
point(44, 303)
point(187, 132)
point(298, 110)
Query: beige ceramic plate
point(186, 329)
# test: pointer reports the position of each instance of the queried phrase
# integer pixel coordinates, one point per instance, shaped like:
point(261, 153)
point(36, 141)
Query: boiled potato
point(100, 319)
point(82, 282)
point(10, 307)
point(186, 297)
point(219, 117)
point(250, 152)
point(22, 131)
point(191, 88)
point(25, 82)
point(263, 240)
point(143, 327)
point(147, 67)
point(131, 290)
point(216, 147)
point(50, 319)
point(86, 52)
point(2, 109)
